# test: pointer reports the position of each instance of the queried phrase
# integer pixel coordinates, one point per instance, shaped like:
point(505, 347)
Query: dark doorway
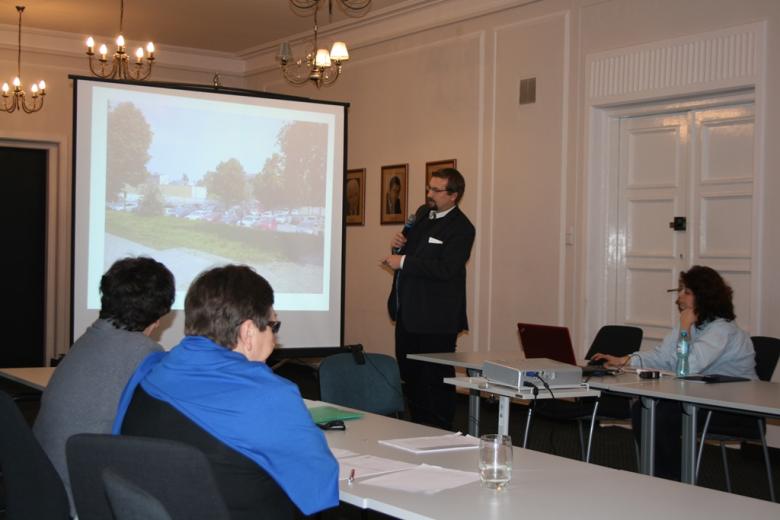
point(23, 264)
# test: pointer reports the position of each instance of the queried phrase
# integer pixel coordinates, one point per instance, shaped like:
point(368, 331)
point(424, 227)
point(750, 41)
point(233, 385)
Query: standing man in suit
point(428, 297)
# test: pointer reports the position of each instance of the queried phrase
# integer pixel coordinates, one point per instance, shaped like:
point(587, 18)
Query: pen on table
point(351, 478)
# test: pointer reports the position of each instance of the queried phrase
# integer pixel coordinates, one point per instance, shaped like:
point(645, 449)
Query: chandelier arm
point(295, 80)
point(9, 105)
point(330, 75)
point(34, 107)
point(139, 75)
point(304, 4)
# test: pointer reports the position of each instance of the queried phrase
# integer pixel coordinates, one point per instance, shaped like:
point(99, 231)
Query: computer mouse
point(597, 362)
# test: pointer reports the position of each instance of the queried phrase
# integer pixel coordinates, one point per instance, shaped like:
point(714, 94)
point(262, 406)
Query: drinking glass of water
point(495, 460)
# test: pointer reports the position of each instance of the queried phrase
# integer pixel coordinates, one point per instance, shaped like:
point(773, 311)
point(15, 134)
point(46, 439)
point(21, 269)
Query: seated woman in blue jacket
point(214, 391)
point(717, 346)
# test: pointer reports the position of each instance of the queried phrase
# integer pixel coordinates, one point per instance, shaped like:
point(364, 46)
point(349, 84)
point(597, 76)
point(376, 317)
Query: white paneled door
point(685, 197)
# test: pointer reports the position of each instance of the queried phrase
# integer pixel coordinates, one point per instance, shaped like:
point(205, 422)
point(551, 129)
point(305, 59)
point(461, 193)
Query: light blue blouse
point(718, 347)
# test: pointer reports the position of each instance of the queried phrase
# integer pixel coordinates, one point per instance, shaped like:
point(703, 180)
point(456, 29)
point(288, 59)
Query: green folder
point(323, 414)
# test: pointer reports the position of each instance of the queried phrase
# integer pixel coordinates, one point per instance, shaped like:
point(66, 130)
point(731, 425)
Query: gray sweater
point(84, 391)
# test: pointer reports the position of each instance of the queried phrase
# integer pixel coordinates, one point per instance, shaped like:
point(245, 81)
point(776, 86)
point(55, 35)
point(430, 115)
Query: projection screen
point(195, 179)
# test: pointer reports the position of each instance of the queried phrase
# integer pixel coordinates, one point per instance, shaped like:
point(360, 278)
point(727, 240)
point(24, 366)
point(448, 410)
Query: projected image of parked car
point(267, 223)
point(310, 226)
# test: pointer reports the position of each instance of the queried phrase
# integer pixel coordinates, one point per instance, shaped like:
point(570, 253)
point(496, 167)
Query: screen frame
point(280, 353)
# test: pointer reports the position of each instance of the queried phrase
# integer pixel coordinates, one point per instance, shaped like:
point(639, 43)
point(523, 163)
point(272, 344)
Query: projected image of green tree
point(129, 137)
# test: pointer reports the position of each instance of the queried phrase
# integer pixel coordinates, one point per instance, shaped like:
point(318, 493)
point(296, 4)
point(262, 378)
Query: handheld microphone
point(409, 224)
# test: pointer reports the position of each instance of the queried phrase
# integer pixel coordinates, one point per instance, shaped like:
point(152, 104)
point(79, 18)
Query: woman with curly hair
point(717, 346)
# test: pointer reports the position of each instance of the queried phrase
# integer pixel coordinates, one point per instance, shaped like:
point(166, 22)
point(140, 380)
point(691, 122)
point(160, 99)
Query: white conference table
point(542, 486)
point(751, 397)
point(506, 394)
point(35, 377)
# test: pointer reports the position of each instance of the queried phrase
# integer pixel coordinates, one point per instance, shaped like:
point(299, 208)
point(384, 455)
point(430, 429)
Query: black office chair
point(176, 475)
point(733, 427)
point(131, 502)
point(615, 340)
point(33, 487)
point(374, 386)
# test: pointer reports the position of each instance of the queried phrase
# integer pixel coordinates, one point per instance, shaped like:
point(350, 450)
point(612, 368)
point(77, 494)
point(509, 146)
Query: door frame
point(602, 217)
point(58, 229)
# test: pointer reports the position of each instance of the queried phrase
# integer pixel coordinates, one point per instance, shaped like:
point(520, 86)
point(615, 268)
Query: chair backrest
point(131, 502)
point(33, 488)
point(546, 341)
point(616, 340)
point(177, 475)
point(373, 387)
point(767, 353)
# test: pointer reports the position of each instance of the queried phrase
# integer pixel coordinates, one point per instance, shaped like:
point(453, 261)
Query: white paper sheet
point(437, 443)
point(367, 465)
point(424, 479)
point(341, 453)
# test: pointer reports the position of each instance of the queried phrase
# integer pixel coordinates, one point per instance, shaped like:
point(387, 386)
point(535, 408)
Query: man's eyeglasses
point(275, 326)
point(436, 190)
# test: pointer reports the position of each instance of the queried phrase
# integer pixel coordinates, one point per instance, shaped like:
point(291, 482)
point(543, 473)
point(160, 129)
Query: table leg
point(647, 446)
point(474, 402)
point(590, 434)
point(528, 423)
point(688, 468)
point(503, 415)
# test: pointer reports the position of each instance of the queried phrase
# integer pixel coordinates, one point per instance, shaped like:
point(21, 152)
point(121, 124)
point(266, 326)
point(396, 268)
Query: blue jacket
point(248, 407)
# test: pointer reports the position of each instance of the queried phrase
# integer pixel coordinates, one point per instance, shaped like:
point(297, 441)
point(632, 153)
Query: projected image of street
point(194, 188)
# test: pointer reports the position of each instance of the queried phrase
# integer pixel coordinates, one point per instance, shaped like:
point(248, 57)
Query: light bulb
point(17, 82)
point(150, 48)
point(139, 54)
point(103, 51)
point(42, 86)
point(120, 41)
point(34, 89)
point(90, 43)
point(5, 89)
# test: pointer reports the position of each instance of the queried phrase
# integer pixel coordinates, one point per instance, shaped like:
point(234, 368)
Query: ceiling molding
point(383, 25)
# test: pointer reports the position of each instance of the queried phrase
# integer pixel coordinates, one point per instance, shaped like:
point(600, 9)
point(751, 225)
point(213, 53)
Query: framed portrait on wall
point(435, 166)
point(392, 199)
point(355, 195)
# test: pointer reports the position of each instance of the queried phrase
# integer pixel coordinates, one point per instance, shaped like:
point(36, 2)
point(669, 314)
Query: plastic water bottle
point(683, 348)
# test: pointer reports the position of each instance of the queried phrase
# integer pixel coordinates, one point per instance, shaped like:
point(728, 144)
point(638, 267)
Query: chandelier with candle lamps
point(120, 66)
point(16, 99)
point(320, 66)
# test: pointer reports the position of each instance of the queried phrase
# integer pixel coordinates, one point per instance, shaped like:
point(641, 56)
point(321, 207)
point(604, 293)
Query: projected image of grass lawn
point(236, 243)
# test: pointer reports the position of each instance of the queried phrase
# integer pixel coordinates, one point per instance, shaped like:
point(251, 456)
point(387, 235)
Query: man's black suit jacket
point(430, 290)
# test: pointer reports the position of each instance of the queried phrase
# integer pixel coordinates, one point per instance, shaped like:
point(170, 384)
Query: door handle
point(678, 224)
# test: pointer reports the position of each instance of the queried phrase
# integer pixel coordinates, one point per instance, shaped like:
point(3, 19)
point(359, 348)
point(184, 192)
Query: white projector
point(516, 373)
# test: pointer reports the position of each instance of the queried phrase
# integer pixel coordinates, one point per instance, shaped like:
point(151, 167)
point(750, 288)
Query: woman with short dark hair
point(214, 391)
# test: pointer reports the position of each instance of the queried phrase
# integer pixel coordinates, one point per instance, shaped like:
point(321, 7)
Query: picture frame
point(355, 197)
point(392, 197)
point(434, 166)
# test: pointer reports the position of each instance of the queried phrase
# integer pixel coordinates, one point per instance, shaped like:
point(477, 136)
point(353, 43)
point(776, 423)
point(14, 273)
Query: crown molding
point(384, 25)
